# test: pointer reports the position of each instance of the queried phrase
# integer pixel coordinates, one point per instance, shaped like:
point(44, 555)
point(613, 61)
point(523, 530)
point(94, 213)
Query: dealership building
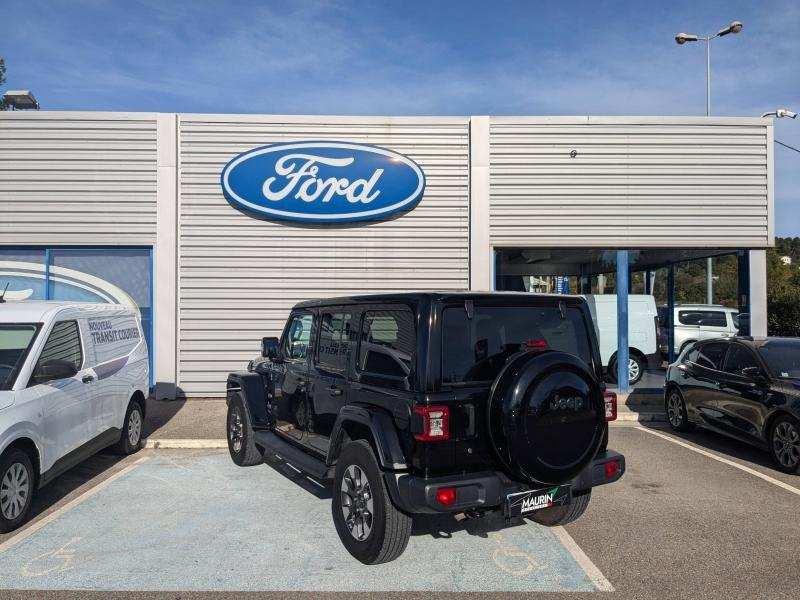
point(214, 226)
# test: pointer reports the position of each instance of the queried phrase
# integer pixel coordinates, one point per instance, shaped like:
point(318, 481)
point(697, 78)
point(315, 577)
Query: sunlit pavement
point(680, 523)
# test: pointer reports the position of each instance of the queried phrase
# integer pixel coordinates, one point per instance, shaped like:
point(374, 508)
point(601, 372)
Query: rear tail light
point(536, 345)
point(658, 331)
point(446, 496)
point(436, 423)
point(612, 468)
point(611, 405)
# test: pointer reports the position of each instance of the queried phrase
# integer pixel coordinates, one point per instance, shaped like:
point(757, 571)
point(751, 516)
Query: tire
point(17, 488)
point(381, 532)
point(241, 443)
point(637, 367)
point(784, 443)
point(561, 515)
point(130, 440)
point(675, 409)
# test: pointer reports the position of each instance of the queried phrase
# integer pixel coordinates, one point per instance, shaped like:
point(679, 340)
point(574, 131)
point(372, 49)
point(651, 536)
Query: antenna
point(3, 295)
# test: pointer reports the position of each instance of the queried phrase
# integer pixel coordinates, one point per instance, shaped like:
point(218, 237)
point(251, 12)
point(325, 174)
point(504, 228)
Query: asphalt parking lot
point(183, 522)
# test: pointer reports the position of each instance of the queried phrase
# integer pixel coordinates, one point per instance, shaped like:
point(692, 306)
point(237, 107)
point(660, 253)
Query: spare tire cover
point(546, 416)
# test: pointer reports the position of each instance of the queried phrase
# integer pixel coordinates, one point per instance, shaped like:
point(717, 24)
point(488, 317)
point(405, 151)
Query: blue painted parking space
point(193, 521)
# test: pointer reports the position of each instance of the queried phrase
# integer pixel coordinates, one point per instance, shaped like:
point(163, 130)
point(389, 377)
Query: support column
point(623, 368)
point(758, 292)
point(165, 259)
point(671, 314)
point(743, 271)
point(481, 268)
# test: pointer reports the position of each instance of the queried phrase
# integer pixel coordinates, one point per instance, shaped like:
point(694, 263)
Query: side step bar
point(273, 444)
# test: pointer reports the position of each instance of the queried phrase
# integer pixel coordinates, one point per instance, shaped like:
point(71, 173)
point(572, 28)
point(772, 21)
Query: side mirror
point(54, 369)
point(269, 347)
point(753, 373)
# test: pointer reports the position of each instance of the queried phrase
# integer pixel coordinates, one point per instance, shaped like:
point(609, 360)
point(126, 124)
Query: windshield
point(782, 357)
point(476, 349)
point(15, 342)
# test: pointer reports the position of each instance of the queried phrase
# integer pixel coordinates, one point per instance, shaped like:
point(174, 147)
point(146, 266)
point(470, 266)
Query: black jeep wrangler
point(414, 403)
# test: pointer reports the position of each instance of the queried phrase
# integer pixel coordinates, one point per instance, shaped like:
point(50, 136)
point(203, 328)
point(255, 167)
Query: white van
point(695, 322)
point(73, 380)
point(643, 332)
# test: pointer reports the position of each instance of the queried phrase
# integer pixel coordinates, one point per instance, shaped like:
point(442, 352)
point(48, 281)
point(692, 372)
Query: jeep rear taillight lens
point(436, 423)
point(446, 496)
point(610, 399)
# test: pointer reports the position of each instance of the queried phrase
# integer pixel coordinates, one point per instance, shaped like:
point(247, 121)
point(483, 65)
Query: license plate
point(525, 503)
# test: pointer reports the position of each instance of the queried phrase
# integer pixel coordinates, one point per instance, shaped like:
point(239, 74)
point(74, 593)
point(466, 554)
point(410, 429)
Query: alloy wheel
point(633, 369)
point(135, 427)
point(786, 444)
point(675, 409)
point(236, 430)
point(14, 490)
point(357, 505)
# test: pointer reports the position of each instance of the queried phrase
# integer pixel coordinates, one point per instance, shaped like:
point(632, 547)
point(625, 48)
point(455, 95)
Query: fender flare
point(251, 386)
point(382, 428)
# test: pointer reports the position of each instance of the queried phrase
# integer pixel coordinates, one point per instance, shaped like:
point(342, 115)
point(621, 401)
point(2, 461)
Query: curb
point(642, 417)
point(186, 444)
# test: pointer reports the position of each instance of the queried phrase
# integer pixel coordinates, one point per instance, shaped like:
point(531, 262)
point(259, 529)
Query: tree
point(2, 79)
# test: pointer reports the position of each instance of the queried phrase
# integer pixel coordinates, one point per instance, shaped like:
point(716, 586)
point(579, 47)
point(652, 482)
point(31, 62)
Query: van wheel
point(371, 528)
point(131, 439)
point(241, 444)
point(636, 368)
point(17, 482)
point(561, 515)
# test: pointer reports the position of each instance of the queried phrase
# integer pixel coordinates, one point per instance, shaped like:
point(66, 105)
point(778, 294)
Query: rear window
point(476, 349)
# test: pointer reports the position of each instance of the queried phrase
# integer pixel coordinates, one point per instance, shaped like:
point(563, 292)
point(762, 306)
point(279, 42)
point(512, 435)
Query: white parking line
point(29, 531)
point(592, 572)
point(726, 461)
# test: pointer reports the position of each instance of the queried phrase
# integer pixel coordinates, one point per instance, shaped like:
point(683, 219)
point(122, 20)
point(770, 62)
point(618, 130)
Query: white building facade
point(129, 207)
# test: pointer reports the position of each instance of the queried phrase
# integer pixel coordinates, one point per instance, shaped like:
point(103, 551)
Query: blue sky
point(413, 57)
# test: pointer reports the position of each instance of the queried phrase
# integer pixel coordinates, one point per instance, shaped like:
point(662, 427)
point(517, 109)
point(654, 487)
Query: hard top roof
point(432, 296)
point(35, 311)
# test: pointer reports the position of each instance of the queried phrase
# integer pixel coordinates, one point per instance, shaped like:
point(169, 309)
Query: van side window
point(387, 342)
point(63, 344)
point(298, 336)
point(335, 340)
point(707, 318)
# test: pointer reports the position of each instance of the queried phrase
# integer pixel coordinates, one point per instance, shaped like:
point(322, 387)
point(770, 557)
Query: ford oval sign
point(323, 181)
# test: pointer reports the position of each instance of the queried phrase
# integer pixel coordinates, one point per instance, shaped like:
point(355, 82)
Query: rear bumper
point(655, 360)
point(487, 489)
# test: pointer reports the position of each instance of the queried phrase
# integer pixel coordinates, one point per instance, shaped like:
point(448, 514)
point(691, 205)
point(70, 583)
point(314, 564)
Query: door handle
point(334, 391)
point(87, 378)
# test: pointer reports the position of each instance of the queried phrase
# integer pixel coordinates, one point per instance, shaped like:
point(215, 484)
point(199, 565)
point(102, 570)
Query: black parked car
point(432, 403)
point(747, 388)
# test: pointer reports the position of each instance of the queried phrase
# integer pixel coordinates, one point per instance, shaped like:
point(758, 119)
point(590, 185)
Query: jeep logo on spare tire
point(573, 403)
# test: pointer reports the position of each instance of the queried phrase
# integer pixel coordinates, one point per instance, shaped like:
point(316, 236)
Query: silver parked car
point(694, 322)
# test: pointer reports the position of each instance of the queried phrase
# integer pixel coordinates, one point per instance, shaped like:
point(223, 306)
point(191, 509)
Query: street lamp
point(20, 100)
point(681, 39)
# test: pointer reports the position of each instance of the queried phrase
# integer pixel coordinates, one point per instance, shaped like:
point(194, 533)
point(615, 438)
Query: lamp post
point(681, 39)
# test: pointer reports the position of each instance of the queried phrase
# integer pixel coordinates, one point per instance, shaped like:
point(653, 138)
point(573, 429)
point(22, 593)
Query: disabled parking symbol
point(58, 560)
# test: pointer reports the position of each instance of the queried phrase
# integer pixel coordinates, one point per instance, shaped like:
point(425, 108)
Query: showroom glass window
point(114, 275)
point(476, 349)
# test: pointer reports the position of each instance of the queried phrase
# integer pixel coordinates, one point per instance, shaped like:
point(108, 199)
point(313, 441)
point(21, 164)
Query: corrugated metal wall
point(634, 182)
point(238, 276)
point(77, 178)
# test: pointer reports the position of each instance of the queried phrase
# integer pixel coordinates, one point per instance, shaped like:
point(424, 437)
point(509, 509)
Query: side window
point(739, 358)
point(335, 340)
point(298, 336)
point(63, 344)
point(386, 347)
point(710, 355)
point(706, 318)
